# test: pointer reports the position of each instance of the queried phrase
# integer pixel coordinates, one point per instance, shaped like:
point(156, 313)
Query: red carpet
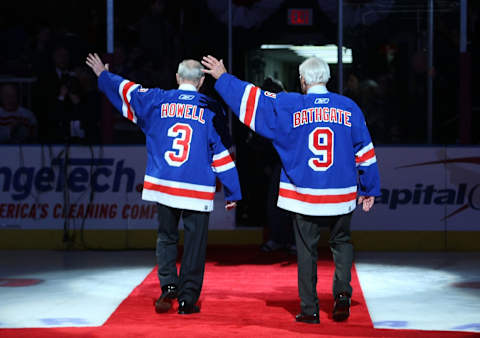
point(245, 294)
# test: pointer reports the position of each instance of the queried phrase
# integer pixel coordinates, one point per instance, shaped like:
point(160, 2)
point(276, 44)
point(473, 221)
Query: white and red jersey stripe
point(222, 162)
point(125, 91)
point(366, 156)
point(248, 105)
point(317, 202)
point(177, 194)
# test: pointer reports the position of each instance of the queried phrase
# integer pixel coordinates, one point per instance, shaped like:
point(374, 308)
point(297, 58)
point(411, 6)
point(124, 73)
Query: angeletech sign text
point(98, 189)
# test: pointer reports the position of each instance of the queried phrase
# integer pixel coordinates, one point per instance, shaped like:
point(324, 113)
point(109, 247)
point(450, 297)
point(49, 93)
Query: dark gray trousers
point(307, 234)
point(192, 268)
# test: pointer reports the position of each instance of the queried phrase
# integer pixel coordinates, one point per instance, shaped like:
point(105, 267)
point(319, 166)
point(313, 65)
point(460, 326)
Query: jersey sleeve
point(254, 107)
point(222, 160)
point(134, 102)
point(365, 159)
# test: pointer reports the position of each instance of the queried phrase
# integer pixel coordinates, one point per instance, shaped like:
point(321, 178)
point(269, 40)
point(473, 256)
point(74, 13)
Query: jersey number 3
point(320, 143)
point(181, 144)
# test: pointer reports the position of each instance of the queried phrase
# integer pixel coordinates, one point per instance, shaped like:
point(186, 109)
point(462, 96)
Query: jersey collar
point(187, 86)
point(317, 89)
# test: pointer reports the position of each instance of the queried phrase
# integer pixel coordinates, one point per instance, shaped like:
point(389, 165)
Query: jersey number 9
point(320, 143)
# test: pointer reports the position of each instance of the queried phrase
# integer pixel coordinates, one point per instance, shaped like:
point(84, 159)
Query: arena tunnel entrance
point(281, 61)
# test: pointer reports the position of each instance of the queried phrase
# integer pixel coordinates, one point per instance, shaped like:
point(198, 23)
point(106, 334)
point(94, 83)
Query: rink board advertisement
point(423, 188)
point(99, 188)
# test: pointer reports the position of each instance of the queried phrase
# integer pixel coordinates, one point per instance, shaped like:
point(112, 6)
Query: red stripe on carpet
point(245, 294)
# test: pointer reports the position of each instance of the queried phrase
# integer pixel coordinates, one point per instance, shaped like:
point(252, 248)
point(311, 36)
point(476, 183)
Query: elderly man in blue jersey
point(328, 161)
point(187, 149)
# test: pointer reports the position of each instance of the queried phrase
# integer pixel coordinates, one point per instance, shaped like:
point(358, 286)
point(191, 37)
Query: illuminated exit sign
point(300, 16)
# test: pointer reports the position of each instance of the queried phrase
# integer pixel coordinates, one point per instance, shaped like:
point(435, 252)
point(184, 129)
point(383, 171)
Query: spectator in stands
point(41, 46)
point(52, 88)
point(375, 110)
point(66, 112)
point(76, 109)
point(17, 123)
point(352, 88)
point(90, 105)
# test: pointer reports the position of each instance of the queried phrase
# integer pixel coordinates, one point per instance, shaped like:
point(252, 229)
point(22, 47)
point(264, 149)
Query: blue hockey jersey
point(322, 140)
point(187, 143)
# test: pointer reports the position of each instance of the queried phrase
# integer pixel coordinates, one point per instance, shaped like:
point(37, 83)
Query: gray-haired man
point(328, 161)
point(187, 149)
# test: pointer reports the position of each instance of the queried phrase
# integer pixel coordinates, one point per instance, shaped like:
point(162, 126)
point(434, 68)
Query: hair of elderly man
point(314, 70)
point(190, 70)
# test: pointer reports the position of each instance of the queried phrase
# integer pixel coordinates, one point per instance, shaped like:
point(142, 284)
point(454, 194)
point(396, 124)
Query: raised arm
point(254, 107)
point(133, 101)
point(96, 64)
point(215, 67)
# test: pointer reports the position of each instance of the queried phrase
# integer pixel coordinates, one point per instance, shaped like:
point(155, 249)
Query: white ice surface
point(78, 288)
point(424, 290)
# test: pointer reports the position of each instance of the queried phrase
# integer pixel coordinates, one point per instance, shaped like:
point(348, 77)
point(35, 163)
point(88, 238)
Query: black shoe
point(341, 307)
point(311, 319)
point(271, 246)
point(185, 308)
point(164, 302)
